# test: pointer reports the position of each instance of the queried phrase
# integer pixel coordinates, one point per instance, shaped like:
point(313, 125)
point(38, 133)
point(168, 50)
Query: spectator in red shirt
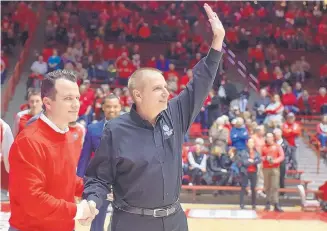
point(323, 74)
point(85, 110)
point(110, 53)
point(183, 81)
point(144, 31)
point(289, 100)
point(196, 60)
point(305, 103)
point(151, 62)
point(171, 72)
point(264, 77)
point(125, 70)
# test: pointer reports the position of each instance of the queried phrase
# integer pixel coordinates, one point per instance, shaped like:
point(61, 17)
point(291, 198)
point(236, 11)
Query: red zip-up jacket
point(43, 180)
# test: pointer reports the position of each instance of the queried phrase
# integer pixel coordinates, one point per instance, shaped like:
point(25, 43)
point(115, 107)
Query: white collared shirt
point(52, 125)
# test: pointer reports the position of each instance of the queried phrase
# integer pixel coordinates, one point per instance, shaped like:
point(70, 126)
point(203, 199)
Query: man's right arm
point(85, 154)
point(100, 173)
point(28, 184)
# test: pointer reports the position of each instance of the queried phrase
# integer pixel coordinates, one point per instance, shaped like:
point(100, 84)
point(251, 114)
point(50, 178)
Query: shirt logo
point(75, 136)
point(167, 130)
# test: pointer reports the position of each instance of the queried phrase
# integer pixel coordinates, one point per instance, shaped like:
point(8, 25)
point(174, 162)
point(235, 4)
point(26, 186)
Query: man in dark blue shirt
point(140, 152)
point(111, 108)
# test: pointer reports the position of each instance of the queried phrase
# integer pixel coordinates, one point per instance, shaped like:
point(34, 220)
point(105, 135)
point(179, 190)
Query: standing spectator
point(260, 106)
point(249, 159)
point(218, 134)
point(272, 156)
point(321, 101)
point(274, 110)
point(291, 131)
point(278, 133)
point(259, 142)
point(239, 135)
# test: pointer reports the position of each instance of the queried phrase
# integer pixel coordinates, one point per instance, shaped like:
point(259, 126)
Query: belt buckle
point(155, 211)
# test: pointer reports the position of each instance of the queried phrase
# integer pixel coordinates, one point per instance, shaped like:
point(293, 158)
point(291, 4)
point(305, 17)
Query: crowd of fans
point(80, 37)
point(16, 19)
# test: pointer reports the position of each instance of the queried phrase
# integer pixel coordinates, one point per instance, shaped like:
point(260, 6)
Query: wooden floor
point(196, 224)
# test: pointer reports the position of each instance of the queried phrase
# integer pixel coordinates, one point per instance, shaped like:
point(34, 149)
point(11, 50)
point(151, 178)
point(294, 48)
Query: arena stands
point(104, 42)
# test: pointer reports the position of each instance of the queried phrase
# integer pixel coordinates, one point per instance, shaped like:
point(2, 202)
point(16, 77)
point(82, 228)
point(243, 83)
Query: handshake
point(86, 212)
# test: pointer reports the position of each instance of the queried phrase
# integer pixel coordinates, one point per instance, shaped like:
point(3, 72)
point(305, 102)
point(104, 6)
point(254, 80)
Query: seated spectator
point(171, 72)
point(321, 101)
point(183, 81)
point(278, 78)
point(260, 106)
point(305, 103)
point(136, 60)
point(239, 135)
point(289, 101)
point(323, 74)
point(264, 77)
point(54, 61)
point(218, 164)
point(197, 163)
point(81, 72)
point(125, 70)
point(322, 132)
point(162, 64)
point(112, 73)
point(298, 90)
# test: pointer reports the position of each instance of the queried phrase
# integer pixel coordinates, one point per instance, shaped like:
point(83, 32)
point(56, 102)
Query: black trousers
point(282, 169)
point(252, 176)
point(196, 175)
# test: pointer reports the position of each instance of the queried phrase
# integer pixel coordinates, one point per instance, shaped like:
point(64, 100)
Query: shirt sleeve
point(101, 171)
point(187, 105)
point(8, 139)
point(27, 174)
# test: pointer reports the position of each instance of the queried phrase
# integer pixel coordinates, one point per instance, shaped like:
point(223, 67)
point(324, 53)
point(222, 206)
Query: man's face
point(270, 138)
point(111, 108)
point(153, 93)
point(35, 104)
point(65, 107)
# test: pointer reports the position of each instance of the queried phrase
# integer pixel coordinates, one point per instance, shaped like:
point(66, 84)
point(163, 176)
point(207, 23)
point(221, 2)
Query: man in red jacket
point(272, 155)
point(291, 131)
point(42, 175)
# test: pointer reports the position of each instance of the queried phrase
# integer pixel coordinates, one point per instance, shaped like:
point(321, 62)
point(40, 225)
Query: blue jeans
point(323, 140)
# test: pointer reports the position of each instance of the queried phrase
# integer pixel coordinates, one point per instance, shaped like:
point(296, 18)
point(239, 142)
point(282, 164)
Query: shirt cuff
point(79, 212)
point(214, 55)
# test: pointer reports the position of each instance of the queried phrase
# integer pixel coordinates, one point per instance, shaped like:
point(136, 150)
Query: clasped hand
point(89, 212)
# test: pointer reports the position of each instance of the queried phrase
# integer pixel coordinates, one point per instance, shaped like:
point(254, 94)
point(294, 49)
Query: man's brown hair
point(48, 84)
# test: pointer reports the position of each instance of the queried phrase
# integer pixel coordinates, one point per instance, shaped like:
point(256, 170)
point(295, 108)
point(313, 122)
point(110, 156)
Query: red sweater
point(43, 180)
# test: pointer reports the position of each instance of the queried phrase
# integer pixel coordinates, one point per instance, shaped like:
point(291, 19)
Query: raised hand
point(216, 25)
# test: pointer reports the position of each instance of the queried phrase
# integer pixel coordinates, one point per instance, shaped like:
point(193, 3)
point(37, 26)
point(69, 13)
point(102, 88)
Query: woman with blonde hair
point(249, 160)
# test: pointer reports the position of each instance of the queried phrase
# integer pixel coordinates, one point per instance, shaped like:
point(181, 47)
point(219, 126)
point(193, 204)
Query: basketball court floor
point(208, 217)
